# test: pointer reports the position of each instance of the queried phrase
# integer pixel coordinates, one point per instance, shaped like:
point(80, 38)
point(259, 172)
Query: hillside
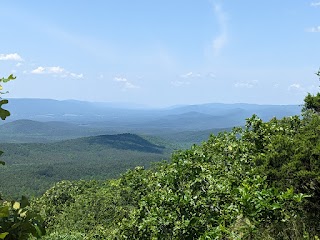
point(35, 131)
point(31, 168)
point(256, 182)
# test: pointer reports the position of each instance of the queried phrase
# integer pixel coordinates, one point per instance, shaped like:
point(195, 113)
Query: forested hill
point(125, 141)
point(31, 168)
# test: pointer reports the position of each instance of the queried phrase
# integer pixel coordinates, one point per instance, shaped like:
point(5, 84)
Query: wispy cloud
point(221, 40)
point(246, 84)
point(126, 84)
point(11, 56)
point(48, 70)
point(187, 78)
point(197, 75)
point(299, 88)
point(190, 75)
point(313, 29)
point(56, 71)
point(180, 83)
point(295, 86)
point(315, 4)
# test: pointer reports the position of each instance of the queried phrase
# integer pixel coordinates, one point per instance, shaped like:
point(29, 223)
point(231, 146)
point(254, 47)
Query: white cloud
point(56, 71)
point(180, 83)
point(193, 75)
point(221, 40)
point(38, 70)
point(314, 29)
point(296, 87)
point(189, 77)
point(218, 43)
point(125, 83)
point(76, 75)
point(120, 79)
point(189, 74)
point(18, 64)
point(11, 56)
point(315, 4)
point(246, 84)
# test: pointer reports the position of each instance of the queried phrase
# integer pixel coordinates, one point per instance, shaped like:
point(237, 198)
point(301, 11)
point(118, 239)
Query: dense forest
point(32, 168)
point(260, 181)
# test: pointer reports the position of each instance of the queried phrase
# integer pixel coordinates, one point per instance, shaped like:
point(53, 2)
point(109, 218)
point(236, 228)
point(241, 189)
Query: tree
point(312, 102)
point(17, 221)
point(3, 112)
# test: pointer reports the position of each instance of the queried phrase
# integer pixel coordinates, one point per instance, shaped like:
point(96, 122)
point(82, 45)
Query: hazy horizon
point(141, 105)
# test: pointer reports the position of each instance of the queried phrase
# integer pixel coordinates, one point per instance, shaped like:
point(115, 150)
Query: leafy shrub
point(213, 191)
point(19, 222)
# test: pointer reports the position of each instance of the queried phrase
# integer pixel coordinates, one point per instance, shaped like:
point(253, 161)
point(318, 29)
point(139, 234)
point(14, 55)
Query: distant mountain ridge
point(43, 120)
point(80, 111)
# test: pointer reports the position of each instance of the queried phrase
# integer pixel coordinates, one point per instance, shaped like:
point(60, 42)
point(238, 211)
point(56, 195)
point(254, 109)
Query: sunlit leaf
point(3, 235)
point(16, 205)
point(11, 77)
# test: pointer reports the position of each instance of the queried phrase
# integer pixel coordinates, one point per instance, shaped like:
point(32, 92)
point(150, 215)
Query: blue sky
point(161, 52)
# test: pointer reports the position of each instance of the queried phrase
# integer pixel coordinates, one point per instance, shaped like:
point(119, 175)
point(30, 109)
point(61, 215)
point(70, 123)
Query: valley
point(51, 140)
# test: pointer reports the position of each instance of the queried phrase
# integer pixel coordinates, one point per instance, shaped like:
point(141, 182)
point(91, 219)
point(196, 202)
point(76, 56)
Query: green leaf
point(39, 231)
point(24, 202)
point(3, 235)
point(4, 211)
point(11, 77)
point(275, 206)
point(4, 113)
point(1, 162)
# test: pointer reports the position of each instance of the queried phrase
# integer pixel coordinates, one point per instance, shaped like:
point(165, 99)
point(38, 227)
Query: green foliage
point(292, 158)
point(257, 182)
point(250, 183)
point(4, 113)
point(87, 208)
point(17, 221)
point(1, 162)
point(211, 191)
point(312, 102)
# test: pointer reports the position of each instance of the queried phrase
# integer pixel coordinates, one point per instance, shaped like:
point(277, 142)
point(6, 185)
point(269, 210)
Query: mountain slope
point(31, 168)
